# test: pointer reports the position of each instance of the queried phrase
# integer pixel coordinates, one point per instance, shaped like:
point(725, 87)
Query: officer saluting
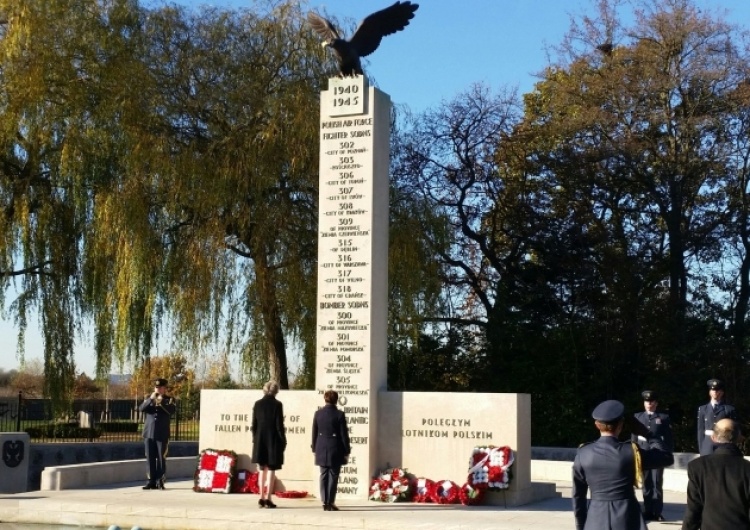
point(611, 468)
point(158, 408)
point(710, 413)
point(658, 425)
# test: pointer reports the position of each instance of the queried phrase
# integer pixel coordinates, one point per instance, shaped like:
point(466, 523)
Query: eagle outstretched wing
point(373, 28)
point(323, 27)
point(366, 38)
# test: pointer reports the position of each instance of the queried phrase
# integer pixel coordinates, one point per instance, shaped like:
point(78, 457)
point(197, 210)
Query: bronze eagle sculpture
point(367, 36)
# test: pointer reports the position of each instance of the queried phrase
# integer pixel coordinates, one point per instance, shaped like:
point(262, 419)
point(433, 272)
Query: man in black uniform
point(330, 443)
point(710, 413)
point(158, 408)
point(658, 425)
point(611, 469)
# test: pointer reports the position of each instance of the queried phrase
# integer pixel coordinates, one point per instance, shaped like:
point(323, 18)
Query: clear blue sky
point(449, 45)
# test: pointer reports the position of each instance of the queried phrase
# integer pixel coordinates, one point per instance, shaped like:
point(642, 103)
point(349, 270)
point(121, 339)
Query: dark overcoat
point(330, 437)
point(158, 416)
point(707, 418)
point(607, 467)
point(718, 492)
point(269, 436)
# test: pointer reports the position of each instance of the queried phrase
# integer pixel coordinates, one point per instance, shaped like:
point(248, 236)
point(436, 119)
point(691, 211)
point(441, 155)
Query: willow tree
point(56, 64)
point(216, 209)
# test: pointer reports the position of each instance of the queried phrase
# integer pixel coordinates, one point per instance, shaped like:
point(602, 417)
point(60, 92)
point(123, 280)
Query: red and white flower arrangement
point(489, 467)
point(470, 496)
point(391, 485)
point(444, 492)
point(247, 482)
point(216, 471)
point(423, 490)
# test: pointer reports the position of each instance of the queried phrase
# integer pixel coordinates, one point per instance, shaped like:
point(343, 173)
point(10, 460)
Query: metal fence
point(89, 420)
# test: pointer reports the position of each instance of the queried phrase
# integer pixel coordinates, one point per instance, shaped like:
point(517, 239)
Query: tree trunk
point(274, 332)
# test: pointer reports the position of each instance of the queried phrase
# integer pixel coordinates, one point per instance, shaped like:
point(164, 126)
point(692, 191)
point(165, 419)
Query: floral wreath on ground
point(247, 482)
point(216, 471)
point(489, 468)
point(291, 494)
point(444, 492)
point(470, 496)
point(392, 485)
point(422, 489)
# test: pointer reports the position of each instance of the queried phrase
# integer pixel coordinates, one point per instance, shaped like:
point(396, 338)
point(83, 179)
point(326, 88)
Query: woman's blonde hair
point(272, 388)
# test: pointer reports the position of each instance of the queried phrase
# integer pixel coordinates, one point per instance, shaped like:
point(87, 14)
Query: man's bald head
point(726, 431)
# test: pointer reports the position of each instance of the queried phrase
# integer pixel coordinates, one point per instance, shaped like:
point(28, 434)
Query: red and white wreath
point(423, 490)
point(391, 485)
point(216, 471)
point(489, 467)
point(470, 496)
point(444, 492)
point(247, 482)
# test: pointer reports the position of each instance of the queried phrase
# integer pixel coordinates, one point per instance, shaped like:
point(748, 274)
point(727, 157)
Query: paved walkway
point(179, 508)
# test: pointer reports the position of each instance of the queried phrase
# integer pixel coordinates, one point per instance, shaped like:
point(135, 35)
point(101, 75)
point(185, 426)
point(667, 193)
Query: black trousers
point(329, 480)
point(156, 456)
point(653, 496)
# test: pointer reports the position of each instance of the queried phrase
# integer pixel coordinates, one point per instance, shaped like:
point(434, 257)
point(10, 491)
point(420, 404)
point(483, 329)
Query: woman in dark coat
point(330, 443)
point(269, 440)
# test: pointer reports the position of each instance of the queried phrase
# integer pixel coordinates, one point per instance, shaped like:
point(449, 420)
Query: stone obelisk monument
point(353, 261)
point(431, 434)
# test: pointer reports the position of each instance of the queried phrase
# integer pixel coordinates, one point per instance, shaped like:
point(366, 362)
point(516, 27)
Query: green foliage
point(63, 430)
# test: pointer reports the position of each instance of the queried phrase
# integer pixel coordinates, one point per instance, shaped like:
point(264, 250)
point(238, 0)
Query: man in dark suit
point(659, 426)
point(158, 408)
point(330, 443)
point(611, 469)
point(718, 493)
point(710, 413)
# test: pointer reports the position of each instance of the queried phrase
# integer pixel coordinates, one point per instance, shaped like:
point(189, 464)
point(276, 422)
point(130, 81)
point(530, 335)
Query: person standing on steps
point(158, 409)
point(269, 441)
point(658, 425)
point(330, 443)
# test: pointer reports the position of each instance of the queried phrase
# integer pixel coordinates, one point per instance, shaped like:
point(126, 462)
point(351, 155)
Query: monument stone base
point(14, 464)
point(429, 434)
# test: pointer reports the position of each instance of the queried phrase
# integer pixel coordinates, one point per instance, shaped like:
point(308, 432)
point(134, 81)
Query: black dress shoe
point(160, 485)
point(150, 486)
point(269, 504)
point(659, 517)
point(262, 503)
point(333, 508)
point(326, 508)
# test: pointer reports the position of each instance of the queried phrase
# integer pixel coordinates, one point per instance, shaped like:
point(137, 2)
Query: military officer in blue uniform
point(659, 426)
point(710, 413)
point(610, 469)
point(330, 443)
point(158, 408)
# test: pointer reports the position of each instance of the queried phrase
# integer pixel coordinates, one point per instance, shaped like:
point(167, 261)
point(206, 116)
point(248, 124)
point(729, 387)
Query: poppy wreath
point(489, 467)
point(247, 482)
point(391, 485)
point(423, 489)
point(444, 492)
point(215, 472)
point(470, 496)
point(290, 494)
